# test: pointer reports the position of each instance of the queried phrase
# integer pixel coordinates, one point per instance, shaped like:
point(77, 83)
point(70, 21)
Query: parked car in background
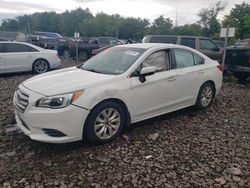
point(21, 57)
point(238, 62)
point(203, 44)
point(12, 36)
point(242, 43)
point(119, 86)
point(219, 43)
point(87, 45)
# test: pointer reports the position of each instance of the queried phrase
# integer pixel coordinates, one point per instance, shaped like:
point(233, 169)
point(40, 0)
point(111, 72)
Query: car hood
point(65, 80)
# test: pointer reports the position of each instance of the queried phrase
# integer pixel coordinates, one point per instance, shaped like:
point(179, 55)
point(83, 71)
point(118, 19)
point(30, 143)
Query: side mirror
point(216, 49)
point(146, 71)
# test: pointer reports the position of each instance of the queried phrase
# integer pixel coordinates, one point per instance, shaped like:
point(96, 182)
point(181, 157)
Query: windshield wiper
point(92, 70)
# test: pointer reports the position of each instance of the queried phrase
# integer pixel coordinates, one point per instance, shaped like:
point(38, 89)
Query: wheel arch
point(118, 101)
point(213, 85)
point(40, 58)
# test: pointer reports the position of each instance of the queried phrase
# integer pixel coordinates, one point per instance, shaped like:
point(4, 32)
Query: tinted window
point(198, 60)
point(207, 44)
point(11, 48)
point(103, 40)
point(157, 59)
point(190, 42)
point(183, 58)
point(162, 39)
point(1, 48)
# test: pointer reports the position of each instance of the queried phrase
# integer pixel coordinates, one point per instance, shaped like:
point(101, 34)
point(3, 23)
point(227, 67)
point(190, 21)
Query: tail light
point(249, 59)
point(70, 46)
point(220, 67)
point(94, 52)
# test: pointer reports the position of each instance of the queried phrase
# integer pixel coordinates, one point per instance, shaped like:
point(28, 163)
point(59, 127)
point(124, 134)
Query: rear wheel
point(242, 77)
point(66, 54)
point(205, 96)
point(40, 66)
point(83, 56)
point(105, 122)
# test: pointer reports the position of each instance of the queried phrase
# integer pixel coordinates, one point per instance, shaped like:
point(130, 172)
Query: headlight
point(59, 101)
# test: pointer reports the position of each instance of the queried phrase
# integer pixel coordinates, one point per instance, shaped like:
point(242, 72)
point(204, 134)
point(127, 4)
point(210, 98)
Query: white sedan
point(120, 86)
point(22, 57)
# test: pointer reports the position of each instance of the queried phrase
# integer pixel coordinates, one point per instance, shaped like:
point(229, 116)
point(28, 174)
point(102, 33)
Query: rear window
point(162, 39)
point(190, 42)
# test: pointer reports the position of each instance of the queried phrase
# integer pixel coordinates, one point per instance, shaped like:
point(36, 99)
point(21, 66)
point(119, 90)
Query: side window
point(183, 58)
point(12, 48)
point(103, 41)
point(159, 59)
point(113, 42)
point(206, 44)
point(198, 60)
point(1, 48)
point(190, 42)
point(162, 39)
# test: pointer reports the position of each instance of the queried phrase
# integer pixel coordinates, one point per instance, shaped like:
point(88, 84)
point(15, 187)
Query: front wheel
point(40, 66)
point(205, 96)
point(105, 122)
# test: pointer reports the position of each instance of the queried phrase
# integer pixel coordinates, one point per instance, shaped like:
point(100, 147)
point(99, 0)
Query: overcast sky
point(186, 9)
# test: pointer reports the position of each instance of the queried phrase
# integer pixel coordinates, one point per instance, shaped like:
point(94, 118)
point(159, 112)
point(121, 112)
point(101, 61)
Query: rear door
point(188, 41)
point(19, 57)
point(191, 71)
point(2, 59)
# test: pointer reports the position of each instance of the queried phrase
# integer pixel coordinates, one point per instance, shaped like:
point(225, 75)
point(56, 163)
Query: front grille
point(21, 100)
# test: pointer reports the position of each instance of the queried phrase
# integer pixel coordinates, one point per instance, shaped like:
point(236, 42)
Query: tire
point(99, 128)
point(83, 56)
point(205, 96)
point(242, 77)
point(66, 54)
point(40, 66)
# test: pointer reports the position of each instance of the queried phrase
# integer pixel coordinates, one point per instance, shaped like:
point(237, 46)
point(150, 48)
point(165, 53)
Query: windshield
point(114, 60)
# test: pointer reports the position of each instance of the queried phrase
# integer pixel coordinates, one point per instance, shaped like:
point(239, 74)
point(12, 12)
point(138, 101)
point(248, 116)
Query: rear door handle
point(171, 79)
point(201, 72)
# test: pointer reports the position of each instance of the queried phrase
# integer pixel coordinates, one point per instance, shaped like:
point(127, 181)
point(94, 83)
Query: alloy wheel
point(206, 96)
point(107, 123)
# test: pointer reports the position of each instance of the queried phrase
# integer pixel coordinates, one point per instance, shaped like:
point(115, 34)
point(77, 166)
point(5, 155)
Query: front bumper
point(35, 120)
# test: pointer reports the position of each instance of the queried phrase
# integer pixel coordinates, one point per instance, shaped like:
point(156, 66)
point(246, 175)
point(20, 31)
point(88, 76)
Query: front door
point(157, 93)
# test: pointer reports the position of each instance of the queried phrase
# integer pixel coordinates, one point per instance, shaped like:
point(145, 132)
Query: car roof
point(152, 45)
point(184, 36)
point(15, 42)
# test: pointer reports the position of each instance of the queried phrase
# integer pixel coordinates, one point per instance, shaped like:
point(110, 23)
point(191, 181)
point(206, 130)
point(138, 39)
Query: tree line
point(102, 24)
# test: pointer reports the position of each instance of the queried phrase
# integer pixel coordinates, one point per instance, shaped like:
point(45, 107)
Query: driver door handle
point(171, 79)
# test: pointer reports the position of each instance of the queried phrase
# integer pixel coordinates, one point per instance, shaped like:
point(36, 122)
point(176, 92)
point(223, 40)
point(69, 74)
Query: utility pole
point(176, 17)
point(29, 33)
point(225, 47)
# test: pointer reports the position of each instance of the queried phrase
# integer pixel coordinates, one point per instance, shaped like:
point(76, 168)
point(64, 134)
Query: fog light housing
point(53, 133)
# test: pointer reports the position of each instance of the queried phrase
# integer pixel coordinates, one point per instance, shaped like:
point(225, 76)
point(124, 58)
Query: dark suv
point(203, 44)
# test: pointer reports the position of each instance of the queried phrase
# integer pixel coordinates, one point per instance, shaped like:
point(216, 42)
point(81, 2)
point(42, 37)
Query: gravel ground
point(187, 148)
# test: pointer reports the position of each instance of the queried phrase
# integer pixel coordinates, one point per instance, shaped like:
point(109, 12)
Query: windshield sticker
point(131, 53)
